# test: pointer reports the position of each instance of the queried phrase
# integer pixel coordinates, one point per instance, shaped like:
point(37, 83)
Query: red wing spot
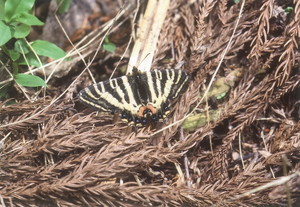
point(152, 109)
point(141, 111)
point(143, 108)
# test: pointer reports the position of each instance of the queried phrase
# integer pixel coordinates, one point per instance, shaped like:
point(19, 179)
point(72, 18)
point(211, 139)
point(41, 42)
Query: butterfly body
point(140, 98)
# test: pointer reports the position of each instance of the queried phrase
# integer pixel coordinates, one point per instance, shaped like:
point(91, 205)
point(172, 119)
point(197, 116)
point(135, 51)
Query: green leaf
point(288, 9)
point(14, 55)
point(28, 19)
point(21, 31)
point(47, 49)
point(1, 9)
point(21, 47)
point(222, 95)
point(108, 46)
point(13, 8)
point(31, 60)
point(6, 33)
point(197, 120)
point(29, 80)
point(64, 5)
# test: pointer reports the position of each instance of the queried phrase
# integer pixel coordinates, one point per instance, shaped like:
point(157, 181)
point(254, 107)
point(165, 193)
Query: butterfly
point(140, 97)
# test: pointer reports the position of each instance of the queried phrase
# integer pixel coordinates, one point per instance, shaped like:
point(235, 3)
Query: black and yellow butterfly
point(140, 98)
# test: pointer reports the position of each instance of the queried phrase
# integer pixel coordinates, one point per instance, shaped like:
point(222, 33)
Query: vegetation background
point(240, 146)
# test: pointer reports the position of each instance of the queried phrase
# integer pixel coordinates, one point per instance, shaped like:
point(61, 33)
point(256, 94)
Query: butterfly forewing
point(112, 95)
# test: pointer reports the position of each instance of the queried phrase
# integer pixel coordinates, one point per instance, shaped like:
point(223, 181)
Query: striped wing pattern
point(166, 85)
point(112, 95)
point(137, 96)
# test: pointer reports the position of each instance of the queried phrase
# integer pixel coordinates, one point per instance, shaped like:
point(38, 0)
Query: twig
point(186, 163)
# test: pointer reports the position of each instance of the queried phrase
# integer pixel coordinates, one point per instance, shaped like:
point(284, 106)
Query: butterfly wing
point(138, 96)
point(165, 85)
point(113, 95)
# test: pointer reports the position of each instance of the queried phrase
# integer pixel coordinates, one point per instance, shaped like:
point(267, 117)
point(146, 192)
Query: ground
point(232, 139)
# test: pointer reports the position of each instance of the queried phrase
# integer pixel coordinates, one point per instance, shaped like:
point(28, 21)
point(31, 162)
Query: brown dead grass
point(55, 154)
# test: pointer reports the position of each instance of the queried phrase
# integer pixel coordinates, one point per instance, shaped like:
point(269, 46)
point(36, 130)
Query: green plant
point(288, 9)
point(108, 46)
point(63, 5)
point(16, 20)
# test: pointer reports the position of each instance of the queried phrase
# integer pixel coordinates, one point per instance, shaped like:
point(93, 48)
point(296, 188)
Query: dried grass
point(55, 154)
